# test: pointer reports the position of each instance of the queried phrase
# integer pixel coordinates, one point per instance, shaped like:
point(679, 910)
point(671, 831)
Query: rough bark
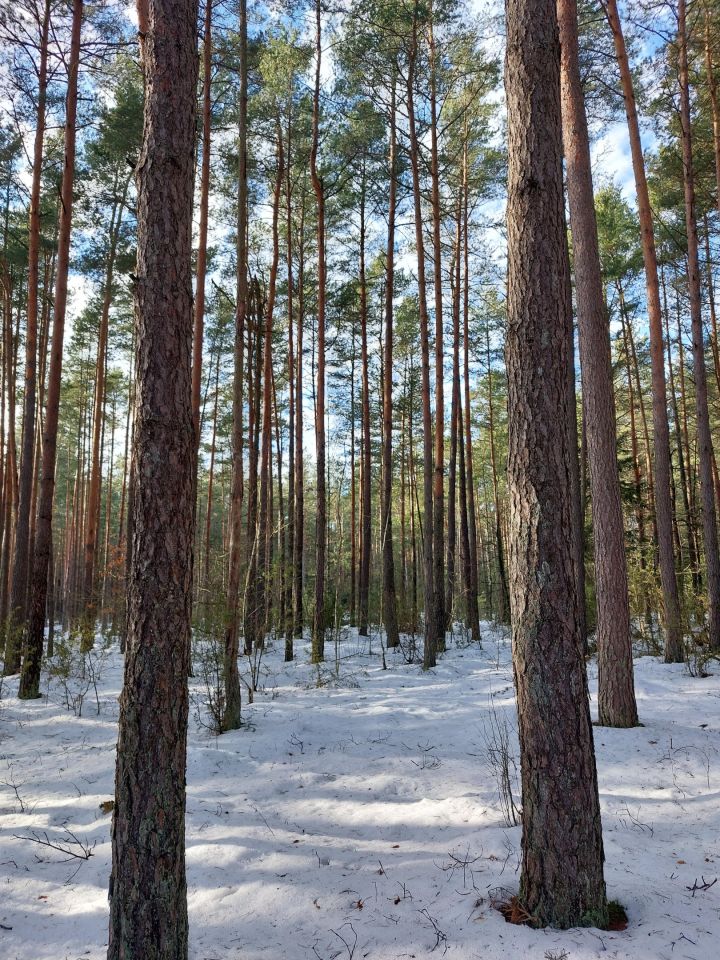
point(705, 446)
point(148, 895)
point(201, 272)
point(562, 858)
point(616, 693)
point(674, 652)
point(22, 558)
point(30, 677)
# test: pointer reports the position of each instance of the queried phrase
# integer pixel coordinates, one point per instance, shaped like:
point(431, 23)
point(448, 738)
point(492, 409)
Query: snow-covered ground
point(359, 817)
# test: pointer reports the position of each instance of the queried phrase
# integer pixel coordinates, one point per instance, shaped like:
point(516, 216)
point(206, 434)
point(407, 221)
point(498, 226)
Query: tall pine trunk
point(438, 514)
point(231, 676)
point(22, 559)
point(616, 693)
point(390, 612)
point(429, 594)
point(318, 637)
point(472, 585)
point(30, 678)
point(562, 857)
point(148, 892)
point(90, 598)
point(705, 445)
point(674, 652)
point(366, 487)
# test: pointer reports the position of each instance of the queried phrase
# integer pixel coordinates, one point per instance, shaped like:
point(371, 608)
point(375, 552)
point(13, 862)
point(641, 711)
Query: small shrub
point(77, 667)
point(697, 658)
point(208, 658)
point(501, 763)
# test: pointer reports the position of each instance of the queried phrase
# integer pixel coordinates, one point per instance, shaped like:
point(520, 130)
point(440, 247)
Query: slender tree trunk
point(674, 652)
point(390, 612)
point(616, 693)
point(21, 566)
point(30, 678)
point(429, 594)
point(711, 302)
point(318, 639)
point(211, 477)
point(199, 321)
point(452, 537)
point(464, 527)
point(93, 504)
point(367, 451)
point(705, 446)
point(712, 91)
point(298, 557)
point(562, 859)
point(470, 479)
point(10, 496)
point(289, 558)
point(414, 506)
point(438, 514)
point(231, 718)
point(353, 494)
point(264, 524)
point(630, 342)
point(503, 598)
point(109, 493)
point(255, 365)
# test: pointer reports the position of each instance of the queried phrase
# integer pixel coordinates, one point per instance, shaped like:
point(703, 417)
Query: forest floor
point(358, 815)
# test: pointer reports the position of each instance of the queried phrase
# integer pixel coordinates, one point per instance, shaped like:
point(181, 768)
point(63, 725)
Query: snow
point(356, 816)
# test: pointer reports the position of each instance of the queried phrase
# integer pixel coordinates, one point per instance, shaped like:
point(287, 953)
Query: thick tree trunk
point(148, 895)
point(30, 678)
point(705, 446)
point(616, 693)
point(674, 652)
point(562, 860)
